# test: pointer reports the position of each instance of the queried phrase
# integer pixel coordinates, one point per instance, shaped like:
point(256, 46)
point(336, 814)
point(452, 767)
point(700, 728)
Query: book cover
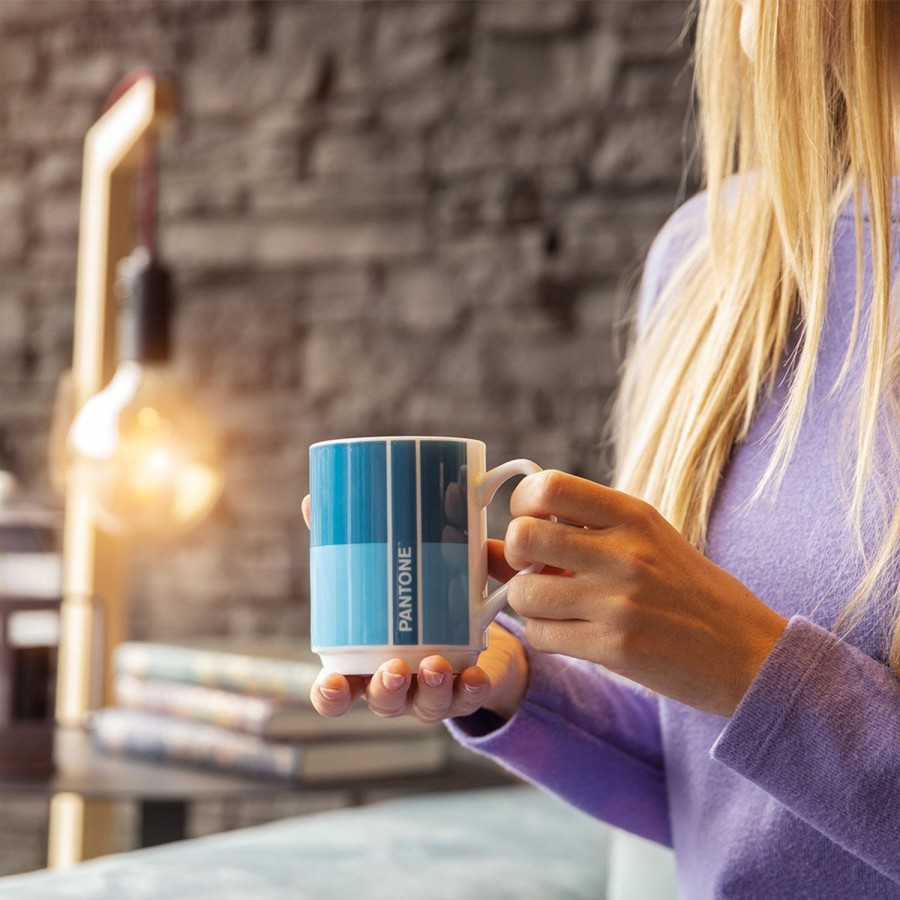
point(135, 733)
point(264, 716)
point(268, 668)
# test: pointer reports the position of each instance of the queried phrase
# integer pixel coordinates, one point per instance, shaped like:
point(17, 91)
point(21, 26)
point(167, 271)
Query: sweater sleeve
point(819, 730)
point(586, 735)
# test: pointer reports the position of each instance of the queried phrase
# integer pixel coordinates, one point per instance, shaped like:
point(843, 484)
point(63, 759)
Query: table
point(511, 843)
point(164, 792)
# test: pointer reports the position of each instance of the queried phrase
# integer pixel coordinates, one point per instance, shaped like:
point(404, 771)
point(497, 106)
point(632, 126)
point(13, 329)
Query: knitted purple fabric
point(797, 795)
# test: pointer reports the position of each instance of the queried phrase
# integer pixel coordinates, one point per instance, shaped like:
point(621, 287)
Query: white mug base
point(365, 660)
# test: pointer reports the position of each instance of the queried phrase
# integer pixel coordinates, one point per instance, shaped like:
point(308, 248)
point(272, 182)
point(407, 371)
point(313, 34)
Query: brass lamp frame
point(94, 577)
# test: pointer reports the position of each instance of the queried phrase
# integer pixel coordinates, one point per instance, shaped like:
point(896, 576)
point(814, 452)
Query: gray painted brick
point(383, 217)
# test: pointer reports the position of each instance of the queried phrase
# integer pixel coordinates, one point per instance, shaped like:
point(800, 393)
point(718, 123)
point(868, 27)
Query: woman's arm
point(814, 721)
point(584, 734)
point(819, 730)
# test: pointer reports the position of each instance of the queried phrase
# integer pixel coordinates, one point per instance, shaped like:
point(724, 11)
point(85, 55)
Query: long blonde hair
point(797, 131)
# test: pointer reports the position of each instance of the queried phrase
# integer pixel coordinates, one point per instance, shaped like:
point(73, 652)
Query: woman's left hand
point(637, 597)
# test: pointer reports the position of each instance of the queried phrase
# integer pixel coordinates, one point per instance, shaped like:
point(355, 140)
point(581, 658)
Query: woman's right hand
point(497, 682)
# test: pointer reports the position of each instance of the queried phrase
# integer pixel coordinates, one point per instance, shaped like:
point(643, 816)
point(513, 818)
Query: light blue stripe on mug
point(354, 579)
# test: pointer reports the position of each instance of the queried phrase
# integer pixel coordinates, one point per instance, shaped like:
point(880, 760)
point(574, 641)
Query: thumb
point(305, 509)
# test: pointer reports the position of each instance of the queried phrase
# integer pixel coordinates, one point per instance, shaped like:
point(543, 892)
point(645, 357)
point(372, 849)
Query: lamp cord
point(147, 197)
point(148, 176)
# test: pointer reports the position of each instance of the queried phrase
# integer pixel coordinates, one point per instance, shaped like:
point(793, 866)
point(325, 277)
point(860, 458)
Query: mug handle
point(485, 488)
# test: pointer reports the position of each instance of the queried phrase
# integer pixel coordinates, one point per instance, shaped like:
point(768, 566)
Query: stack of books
point(245, 709)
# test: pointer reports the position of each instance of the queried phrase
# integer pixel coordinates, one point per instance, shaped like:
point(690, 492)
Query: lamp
point(142, 459)
point(150, 456)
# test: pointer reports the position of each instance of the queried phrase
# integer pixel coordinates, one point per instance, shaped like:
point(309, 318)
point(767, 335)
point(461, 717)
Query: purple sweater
point(796, 795)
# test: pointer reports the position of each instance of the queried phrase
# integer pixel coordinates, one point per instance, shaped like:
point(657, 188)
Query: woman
point(744, 575)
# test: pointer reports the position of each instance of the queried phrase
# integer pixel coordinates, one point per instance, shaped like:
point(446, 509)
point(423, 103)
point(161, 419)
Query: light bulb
point(150, 456)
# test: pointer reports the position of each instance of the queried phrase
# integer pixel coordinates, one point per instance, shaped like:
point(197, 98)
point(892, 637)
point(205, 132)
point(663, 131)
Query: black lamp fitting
point(144, 287)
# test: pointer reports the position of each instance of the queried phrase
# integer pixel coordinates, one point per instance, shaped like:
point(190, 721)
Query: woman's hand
point(434, 693)
point(497, 682)
point(640, 600)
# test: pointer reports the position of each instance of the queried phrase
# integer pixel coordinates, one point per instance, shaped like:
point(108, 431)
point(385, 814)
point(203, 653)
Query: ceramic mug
point(398, 550)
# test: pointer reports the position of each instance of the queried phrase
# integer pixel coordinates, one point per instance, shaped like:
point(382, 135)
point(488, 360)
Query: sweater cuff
point(770, 701)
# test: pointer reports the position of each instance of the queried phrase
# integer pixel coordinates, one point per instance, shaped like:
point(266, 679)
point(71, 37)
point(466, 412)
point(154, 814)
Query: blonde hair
point(789, 136)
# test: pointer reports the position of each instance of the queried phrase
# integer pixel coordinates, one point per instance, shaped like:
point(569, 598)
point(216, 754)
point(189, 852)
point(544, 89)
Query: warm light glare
point(148, 417)
point(150, 456)
point(198, 487)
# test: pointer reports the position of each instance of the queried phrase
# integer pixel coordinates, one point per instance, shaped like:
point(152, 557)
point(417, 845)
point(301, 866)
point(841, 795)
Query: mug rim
point(394, 437)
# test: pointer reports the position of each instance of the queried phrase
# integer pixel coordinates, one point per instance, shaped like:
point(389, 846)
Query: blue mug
point(398, 550)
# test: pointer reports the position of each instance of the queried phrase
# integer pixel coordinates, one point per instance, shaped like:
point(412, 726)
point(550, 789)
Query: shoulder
point(674, 240)
point(680, 233)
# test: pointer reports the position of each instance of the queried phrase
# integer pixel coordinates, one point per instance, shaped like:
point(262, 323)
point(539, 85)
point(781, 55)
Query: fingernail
point(331, 693)
point(473, 688)
point(432, 678)
point(392, 681)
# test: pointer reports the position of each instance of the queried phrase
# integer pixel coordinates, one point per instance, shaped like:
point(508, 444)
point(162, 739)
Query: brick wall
point(384, 217)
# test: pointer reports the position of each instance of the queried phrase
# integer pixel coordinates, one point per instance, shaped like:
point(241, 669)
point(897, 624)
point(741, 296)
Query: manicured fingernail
point(331, 693)
point(392, 681)
point(432, 678)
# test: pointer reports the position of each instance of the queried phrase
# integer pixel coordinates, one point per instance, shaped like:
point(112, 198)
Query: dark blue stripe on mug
point(441, 479)
point(339, 472)
point(404, 542)
point(444, 560)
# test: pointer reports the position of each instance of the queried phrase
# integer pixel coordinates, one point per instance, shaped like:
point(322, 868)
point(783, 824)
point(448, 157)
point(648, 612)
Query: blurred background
point(383, 217)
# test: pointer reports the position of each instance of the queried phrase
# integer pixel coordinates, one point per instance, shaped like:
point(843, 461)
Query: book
point(267, 668)
point(264, 716)
point(151, 736)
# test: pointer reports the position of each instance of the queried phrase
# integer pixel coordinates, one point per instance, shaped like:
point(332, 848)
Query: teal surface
point(504, 844)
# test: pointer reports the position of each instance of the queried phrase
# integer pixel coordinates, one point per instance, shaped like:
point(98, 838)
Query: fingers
point(333, 694)
point(472, 689)
point(433, 692)
point(498, 567)
point(386, 692)
point(549, 597)
point(433, 695)
point(305, 508)
point(552, 636)
point(530, 540)
point(574, 499)
point(502, 571)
